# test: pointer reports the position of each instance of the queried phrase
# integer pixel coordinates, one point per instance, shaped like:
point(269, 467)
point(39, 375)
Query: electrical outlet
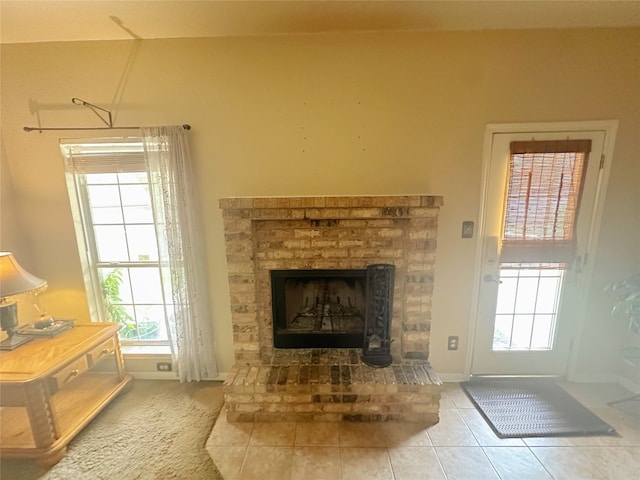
point(452, 343)
point(163, 366)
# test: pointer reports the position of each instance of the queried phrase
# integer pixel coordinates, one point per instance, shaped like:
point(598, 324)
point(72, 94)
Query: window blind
point(544, 189)
point(104, 155)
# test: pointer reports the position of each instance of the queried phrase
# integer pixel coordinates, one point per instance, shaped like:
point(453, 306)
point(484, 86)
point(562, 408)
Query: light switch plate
point(467, 229)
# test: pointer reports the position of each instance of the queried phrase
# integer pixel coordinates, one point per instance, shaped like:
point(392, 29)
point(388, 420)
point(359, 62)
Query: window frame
point(78, 187)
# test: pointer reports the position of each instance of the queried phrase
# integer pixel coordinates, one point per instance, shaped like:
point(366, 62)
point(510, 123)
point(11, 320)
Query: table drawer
point(70, 373)
point(102, 351)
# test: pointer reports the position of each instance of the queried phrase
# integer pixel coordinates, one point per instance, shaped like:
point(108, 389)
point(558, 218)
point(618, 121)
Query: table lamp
point(14, 280)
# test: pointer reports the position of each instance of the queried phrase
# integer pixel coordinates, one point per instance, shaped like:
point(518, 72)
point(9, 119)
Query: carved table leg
point(41, 415)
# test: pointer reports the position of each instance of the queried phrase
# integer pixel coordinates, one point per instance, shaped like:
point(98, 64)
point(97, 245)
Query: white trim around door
point(609, 128)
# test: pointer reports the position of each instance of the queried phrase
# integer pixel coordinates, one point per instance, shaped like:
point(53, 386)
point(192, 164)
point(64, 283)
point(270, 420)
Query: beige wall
point(358, 114)
point(9, 226)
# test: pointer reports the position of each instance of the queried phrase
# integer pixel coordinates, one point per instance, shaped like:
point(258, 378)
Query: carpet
point(532, 408)
point(155, 431)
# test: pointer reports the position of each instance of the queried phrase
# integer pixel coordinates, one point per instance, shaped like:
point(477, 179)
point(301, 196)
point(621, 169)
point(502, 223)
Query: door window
point(527, 308)
point(544, 187)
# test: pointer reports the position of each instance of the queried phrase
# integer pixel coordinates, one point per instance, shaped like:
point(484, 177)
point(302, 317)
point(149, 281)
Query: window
point(527, 307)
point(110, 195)
point(544, 188)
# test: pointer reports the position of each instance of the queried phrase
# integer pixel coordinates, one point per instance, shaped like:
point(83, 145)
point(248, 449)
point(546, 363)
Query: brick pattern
point(263, 234)
point(330, 385)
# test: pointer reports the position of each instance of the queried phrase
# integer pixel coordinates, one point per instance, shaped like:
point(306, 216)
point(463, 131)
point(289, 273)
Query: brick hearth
point(264, 234)
point(330, 385)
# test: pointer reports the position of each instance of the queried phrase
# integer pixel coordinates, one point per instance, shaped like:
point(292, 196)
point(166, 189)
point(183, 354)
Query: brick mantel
point(264, 234)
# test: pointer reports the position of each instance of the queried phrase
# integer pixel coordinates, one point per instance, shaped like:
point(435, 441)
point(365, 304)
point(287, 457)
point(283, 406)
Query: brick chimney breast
point(330, 233)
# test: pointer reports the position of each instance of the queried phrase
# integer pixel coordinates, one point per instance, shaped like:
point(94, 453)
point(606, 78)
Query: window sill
point(148, 350)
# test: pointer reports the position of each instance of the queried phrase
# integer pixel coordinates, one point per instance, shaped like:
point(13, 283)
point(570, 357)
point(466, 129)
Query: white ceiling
point(25, 21)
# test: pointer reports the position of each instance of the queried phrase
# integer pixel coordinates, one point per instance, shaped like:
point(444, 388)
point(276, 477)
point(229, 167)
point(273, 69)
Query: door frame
point(610, 128)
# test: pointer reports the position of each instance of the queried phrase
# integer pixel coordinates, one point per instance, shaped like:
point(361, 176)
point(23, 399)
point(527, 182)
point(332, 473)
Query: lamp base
point(14, 342)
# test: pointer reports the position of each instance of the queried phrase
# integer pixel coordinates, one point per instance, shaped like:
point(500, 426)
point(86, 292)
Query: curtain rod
point(186, 126)
point(100, 112)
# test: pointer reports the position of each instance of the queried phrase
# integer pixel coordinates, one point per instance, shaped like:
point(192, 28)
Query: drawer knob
point(105, 351)
point(74, 372)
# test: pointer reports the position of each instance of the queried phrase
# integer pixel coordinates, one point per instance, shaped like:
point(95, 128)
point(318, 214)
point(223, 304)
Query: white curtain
point(181, 253)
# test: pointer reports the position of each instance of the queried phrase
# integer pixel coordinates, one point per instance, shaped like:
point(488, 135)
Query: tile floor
point(460, 447)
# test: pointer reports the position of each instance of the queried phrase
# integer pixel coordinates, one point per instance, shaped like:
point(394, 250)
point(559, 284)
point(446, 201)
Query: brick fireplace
point(327, 234)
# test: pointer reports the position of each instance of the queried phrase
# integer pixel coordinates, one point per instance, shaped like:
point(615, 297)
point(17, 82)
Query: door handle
point(488, 278)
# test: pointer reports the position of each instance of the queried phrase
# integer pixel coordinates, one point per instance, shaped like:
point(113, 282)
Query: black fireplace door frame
point(309, 340)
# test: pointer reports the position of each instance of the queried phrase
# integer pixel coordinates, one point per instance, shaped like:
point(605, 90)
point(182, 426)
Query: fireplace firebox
point(318, 308)
point(335, 309)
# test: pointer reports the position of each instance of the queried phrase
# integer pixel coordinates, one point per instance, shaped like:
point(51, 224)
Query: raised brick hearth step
point(331, 385)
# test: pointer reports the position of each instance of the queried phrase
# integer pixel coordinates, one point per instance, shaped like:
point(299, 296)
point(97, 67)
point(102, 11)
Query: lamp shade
point(14, 279)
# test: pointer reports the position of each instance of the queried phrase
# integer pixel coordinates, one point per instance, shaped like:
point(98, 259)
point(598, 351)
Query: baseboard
point(145, 366)
point(222, 376)
point(593, 378)
point(630, 385)
point(169, 376)
point(153, 375)
point(453, 377)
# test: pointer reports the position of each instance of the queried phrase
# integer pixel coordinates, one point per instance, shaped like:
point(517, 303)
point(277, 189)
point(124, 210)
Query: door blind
point(545, 185)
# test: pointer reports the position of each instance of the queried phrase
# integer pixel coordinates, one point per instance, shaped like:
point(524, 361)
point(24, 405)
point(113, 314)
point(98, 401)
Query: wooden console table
point(49, 393)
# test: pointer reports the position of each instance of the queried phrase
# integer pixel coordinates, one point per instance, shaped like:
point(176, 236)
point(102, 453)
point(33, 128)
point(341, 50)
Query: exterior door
point(527, 314)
